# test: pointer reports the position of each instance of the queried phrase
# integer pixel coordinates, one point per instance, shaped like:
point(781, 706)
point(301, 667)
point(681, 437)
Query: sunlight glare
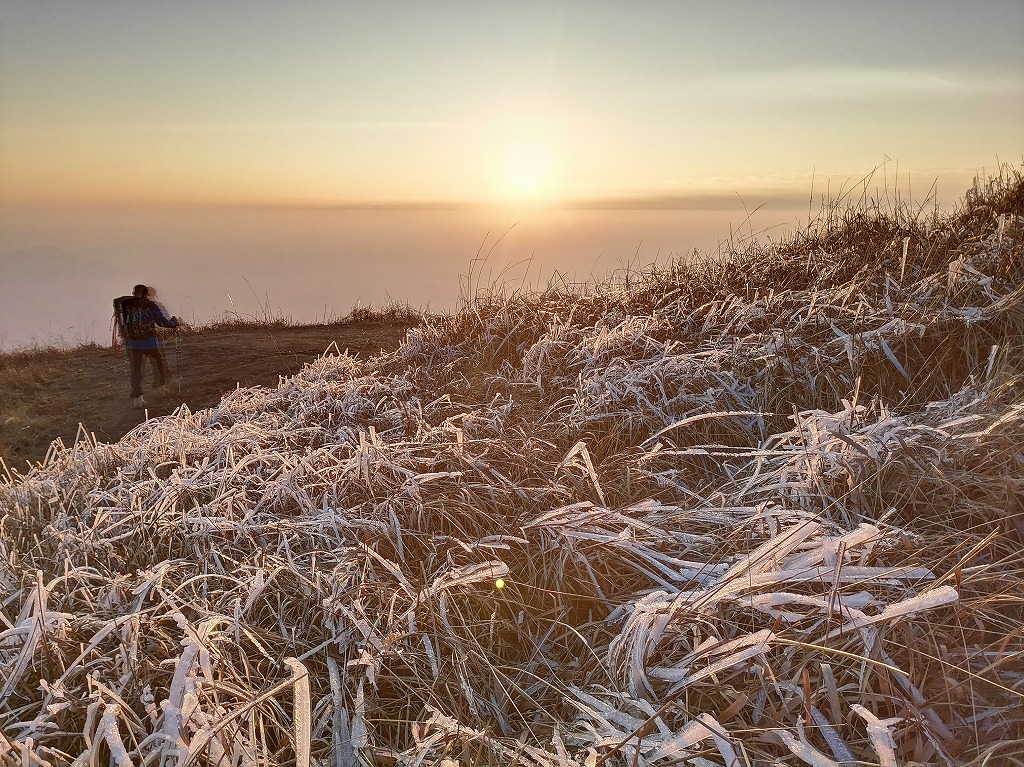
point(526, 167)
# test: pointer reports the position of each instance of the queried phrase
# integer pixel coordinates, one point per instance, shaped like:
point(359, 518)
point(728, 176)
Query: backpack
point(132, 317)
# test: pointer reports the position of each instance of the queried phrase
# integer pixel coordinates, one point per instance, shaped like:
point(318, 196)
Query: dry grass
point(267, 317)
point(28, 405)
point(758, 509)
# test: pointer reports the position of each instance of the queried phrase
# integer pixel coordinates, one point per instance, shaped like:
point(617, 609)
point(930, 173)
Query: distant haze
point(61, 270)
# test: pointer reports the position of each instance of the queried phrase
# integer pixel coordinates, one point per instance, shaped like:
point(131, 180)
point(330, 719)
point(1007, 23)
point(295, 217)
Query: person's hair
point(140, 290)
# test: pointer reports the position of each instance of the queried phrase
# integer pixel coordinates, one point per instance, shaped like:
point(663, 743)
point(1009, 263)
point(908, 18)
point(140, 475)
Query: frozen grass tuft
point(758, 509)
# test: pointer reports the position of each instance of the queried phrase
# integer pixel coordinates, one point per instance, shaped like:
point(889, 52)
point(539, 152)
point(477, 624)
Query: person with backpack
point(137, 317)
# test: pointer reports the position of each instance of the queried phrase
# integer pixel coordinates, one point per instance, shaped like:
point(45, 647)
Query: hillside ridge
point(52, 393)
point(758, 509)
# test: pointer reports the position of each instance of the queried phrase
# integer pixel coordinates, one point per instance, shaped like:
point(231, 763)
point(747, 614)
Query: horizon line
point(709, 201)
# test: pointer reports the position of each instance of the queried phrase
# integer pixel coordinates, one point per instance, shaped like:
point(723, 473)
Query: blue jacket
point(152, 316)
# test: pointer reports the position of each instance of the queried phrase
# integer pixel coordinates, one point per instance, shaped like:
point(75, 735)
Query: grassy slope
point(48, 392)
point(756, 508)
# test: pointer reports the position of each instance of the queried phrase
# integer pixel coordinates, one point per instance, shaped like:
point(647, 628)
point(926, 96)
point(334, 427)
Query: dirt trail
point(91, 384)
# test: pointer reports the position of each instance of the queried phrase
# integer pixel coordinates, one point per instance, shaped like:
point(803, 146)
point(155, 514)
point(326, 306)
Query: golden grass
point(28, 406)
point(392, 311)
point(763, 508)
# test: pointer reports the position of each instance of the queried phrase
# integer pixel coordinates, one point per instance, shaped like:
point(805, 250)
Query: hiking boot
point(138, 403)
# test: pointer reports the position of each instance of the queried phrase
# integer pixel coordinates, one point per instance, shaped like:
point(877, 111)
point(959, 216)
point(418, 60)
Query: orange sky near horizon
point(329, 103)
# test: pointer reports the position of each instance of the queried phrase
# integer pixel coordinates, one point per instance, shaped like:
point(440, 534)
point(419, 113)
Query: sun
point(526, 167)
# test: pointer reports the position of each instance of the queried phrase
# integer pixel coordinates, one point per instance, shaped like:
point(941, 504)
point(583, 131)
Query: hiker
point(137, 316)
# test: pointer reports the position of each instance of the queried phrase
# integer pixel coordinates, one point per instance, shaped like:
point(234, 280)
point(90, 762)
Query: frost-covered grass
point(760, 510)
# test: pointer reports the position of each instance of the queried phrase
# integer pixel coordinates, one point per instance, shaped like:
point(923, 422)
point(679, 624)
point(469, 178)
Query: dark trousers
point(159, 368)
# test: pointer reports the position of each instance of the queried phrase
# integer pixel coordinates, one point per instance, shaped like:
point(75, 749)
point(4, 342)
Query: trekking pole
point(177, 357)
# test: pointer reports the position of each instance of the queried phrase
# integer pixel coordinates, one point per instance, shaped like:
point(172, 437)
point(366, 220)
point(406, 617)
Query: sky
point(591, 104)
